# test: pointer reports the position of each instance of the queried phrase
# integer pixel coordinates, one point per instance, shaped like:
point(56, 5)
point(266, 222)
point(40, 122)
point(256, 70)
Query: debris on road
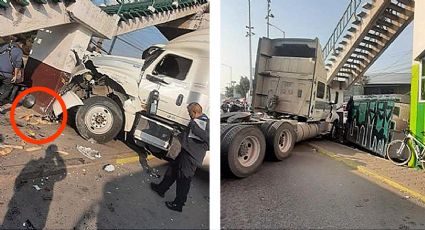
point(32, 149)
point(26, 117)
point(28, 224)
point(5, 151)
point(92, 141)
point(31, 133)
point(47, 197)
point(63, 153)
point(88, 152)
point(109, 168)
point(20, 123)
point(11, 146)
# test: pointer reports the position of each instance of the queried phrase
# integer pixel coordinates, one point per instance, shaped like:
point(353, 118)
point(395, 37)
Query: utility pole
point(269, 15)
point(249, 35)
point(233, 84)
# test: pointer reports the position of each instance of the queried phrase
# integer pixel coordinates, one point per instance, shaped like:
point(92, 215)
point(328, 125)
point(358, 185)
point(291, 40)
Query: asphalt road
point(68, 190)
point(309, 190)
point(87, 197)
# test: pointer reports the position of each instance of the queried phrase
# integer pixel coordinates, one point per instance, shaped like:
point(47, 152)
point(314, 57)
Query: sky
point(140, 40)
point(299, 19)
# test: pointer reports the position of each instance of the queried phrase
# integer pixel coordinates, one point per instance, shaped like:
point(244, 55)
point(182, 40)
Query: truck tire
point(281, 138)
point(266, 126)
point(224, 128)
point(245, 146)
point(100, 118)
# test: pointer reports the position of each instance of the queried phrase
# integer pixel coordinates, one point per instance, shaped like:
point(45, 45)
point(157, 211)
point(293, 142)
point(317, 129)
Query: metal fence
point(340, 28)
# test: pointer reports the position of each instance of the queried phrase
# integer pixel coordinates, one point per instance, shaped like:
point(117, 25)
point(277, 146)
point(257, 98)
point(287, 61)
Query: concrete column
point(51, 60)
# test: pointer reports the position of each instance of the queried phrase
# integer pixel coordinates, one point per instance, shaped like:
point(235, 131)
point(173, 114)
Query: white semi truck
point(146, 99)
point(291, 103)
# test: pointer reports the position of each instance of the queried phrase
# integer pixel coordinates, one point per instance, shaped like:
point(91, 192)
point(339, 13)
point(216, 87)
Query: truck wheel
point(266, 126)
point(281, 138)
point(224, 128)
point(99, 118)
point(246, 148)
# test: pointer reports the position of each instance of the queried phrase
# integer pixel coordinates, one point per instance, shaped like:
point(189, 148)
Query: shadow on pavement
point(33, 191)
point(129, 203)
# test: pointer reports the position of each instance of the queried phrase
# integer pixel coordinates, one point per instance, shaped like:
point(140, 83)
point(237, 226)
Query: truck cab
point(146, 98)
point(290, 80)
point(291, 101)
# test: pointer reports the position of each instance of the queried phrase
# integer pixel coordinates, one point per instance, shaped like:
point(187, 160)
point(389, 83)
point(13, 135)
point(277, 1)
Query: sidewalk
point(408, 180)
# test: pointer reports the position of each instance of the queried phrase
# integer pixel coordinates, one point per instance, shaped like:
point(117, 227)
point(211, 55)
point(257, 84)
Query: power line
point(130, 44)
point(134, 40)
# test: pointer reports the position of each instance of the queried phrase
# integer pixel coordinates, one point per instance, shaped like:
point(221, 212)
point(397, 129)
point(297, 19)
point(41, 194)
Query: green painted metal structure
point(417, 109)
point(144, 7)
point(417, 103)
point(376, 121)
point(126, 10)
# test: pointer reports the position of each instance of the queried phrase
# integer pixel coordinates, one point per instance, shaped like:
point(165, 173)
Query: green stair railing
point(340, 29)
point(142, 8)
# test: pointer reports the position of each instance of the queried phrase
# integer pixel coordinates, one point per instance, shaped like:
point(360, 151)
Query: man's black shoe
point(155, 188)
point(173, 206)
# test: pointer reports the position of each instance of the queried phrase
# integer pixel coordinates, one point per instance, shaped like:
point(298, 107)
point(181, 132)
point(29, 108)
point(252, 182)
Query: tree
point(243, 87)
point(229, 91)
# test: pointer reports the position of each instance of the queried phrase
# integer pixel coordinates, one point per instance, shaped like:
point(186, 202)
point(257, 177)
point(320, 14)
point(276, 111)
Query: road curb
point(363, 170)
point(132, 159)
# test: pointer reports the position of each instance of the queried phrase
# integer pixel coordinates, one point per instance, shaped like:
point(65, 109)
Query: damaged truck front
point(145, 99)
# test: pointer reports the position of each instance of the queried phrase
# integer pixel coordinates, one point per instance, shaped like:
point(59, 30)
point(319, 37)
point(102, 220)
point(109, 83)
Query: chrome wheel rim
point(98, 119)
point(249, 151)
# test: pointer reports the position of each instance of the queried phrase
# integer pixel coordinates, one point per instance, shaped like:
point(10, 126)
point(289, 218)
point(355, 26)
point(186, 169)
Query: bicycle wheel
point(398, 152)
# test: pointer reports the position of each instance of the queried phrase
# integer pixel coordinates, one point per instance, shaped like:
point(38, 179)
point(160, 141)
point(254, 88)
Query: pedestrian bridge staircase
point(364, 32)
point(20, 16)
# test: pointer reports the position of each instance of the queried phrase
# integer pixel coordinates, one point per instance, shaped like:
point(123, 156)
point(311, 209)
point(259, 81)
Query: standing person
point(350, 109)
point(195, 143)
point(11, 66)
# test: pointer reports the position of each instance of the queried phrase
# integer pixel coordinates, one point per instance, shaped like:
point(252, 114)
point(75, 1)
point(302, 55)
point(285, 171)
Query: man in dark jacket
point(10, 68)
point(195, 144)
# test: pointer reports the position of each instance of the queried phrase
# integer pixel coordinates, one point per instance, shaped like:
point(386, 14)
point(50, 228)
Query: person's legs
point(5, 89)
point(169, 178)
point(185, 172)
point(183, 187)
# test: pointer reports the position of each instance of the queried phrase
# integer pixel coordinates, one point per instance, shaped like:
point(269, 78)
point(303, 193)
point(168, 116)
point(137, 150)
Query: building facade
point(417, 103)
